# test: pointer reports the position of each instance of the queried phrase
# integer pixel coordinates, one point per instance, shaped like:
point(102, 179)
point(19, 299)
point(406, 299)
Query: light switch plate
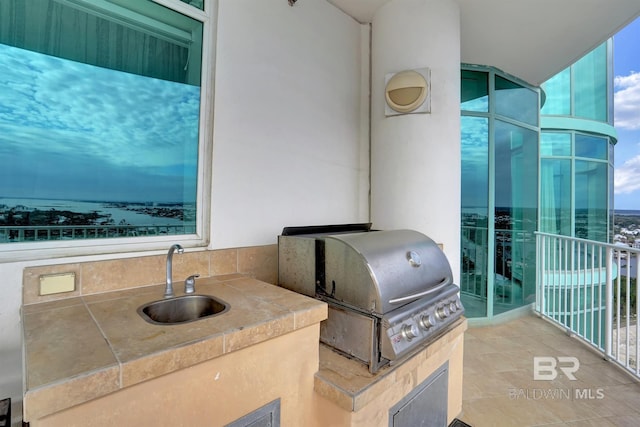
point(57, 283)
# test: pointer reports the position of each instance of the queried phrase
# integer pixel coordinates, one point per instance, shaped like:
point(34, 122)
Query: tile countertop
point(82, 348)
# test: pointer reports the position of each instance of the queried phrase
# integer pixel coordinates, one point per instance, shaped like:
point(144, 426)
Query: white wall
point(415, 158)
point(289, 145)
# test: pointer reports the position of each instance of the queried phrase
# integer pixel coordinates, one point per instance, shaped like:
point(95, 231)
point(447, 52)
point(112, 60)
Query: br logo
point(545, 368)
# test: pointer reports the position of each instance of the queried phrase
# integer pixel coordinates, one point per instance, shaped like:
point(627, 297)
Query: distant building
point(619, 238)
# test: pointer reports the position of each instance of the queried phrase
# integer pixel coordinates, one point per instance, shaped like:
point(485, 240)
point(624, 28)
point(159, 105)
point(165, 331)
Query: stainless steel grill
point(389, 292)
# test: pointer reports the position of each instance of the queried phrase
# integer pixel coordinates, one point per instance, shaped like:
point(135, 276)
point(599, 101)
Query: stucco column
point(415, 158)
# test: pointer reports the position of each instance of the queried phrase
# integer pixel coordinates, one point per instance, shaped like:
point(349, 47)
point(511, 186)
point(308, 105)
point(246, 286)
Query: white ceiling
point(530, 39)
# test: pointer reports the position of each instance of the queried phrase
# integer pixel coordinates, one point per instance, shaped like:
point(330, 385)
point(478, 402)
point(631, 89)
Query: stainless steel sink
point(183, 309)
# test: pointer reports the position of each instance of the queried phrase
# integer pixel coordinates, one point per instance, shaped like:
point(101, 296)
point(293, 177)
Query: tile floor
point(499, 389)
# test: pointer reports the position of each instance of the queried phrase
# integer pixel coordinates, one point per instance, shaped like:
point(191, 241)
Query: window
point(577, 155)
point(474, 91)
point(516, 101)
point(516, 211)
point(499, 195)
point(475, 210)
point(555, 196)
point(591, 200)
point(581, 89)
point(195, 3)
point(590, 81)
point(575, 185)
point(100, 118)
point(555, 144)
point(558, 93)
point(595, 147)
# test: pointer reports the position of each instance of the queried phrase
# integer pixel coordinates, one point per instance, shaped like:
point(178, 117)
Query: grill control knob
point(453, 307)
point(458, 304)
point(428, 321)
point(442, 312)
point(409, 332)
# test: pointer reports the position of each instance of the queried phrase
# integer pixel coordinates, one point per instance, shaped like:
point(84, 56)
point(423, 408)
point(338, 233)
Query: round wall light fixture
point(408, 92)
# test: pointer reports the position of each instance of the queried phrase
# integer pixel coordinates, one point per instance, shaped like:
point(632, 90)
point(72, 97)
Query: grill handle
point(442, 284)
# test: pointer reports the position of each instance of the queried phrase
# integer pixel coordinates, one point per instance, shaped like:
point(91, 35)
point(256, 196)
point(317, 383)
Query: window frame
point(24, 251)
point(490, 306)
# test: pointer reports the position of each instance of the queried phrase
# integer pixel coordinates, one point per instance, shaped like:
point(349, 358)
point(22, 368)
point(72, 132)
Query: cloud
point(71, 127)
point(627, 176)
point(627, 101)
point(123, 118)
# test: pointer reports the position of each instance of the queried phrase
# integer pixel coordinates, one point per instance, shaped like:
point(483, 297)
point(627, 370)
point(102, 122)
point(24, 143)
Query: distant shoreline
point(626, 212)
point(65, 212)
point(124, 202)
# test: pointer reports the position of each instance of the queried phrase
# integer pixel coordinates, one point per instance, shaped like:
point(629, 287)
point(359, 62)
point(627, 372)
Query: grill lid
point(380, 271)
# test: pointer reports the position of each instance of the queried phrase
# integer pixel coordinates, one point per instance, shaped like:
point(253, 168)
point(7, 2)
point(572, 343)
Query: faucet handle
point(190, 284)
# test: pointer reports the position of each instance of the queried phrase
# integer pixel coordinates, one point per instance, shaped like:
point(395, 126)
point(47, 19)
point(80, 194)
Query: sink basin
point(183, 309)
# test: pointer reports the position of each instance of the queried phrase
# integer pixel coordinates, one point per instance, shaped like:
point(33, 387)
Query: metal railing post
point(608, 329)
point(541, 240)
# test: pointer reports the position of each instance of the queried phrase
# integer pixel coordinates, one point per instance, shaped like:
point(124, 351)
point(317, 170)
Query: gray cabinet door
point(266, 416)
point(426, 405)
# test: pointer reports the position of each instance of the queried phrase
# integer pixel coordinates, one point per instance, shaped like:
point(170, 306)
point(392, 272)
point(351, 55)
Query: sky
point(144, 154)
point(99, 134)
point(626, 68)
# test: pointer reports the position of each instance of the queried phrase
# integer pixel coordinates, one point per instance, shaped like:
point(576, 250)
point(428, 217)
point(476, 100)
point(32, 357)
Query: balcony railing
point(65, 232)
point(590, 288)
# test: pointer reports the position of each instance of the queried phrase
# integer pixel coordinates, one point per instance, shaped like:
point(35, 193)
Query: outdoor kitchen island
point(92, 360)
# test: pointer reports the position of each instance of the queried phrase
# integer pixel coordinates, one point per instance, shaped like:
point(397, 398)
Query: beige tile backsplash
point(224, 262)
point(94, 277)
point(260, 262)
point(31, 282)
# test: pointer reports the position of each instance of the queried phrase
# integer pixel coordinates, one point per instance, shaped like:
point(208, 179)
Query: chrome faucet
point(168, 291)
